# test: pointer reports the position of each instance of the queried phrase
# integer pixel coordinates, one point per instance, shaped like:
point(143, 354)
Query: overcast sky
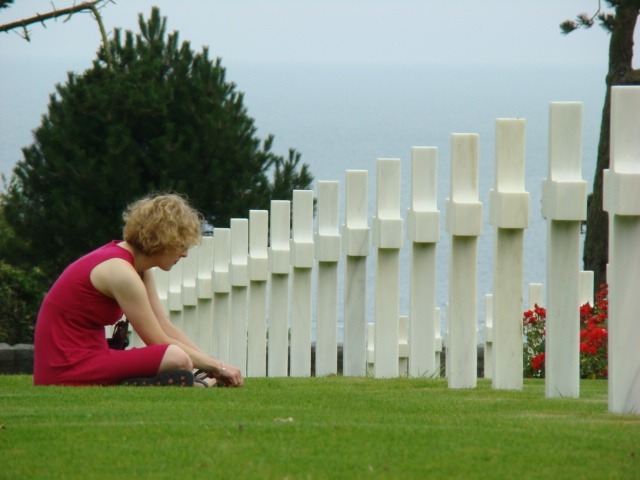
point(434, 32)
point(514, 34)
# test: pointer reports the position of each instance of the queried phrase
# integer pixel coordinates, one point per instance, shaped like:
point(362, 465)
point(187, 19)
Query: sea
point(345, 117)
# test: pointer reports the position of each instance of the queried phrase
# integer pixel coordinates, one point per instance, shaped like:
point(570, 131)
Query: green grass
point(313, 428)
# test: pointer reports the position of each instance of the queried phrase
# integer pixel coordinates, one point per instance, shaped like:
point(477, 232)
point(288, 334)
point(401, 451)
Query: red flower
point(541, 312)
point(537, 362)
point(585, 311)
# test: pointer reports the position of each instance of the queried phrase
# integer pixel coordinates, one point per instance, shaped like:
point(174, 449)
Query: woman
point(70, 347)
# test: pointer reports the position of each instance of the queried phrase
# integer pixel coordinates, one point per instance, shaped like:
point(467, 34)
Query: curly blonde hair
point(158, 223)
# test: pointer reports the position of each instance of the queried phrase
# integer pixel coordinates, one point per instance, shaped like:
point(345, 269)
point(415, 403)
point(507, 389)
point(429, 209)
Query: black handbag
point(120, 338)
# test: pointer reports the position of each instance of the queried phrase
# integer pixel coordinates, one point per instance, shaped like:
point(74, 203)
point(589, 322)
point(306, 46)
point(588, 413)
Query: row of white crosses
point(227, 276)
point(509, 214)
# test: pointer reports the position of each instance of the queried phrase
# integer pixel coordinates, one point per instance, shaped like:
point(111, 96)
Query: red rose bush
point(593, 338)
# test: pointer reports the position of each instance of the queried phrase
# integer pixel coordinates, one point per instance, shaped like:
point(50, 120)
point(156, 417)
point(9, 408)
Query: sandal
point(201, 377)
point(172, 378)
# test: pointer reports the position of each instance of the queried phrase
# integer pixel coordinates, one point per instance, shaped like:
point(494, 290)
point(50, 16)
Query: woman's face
point(166, 260)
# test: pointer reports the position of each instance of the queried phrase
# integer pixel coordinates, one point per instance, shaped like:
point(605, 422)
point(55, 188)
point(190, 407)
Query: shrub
point(534, 334)
point(593, 339)
point(21, 293)
point(594, 336)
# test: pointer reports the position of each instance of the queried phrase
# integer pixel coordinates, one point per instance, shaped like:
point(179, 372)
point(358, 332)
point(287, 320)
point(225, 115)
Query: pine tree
point(149, 115)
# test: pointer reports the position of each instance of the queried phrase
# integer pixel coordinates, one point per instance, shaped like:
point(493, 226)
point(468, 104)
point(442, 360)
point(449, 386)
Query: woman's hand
point(230, 376)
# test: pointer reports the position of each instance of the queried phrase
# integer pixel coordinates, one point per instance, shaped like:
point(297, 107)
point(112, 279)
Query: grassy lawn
point(313, 428)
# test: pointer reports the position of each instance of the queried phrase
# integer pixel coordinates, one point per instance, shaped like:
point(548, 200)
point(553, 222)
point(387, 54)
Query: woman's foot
point(202, 379)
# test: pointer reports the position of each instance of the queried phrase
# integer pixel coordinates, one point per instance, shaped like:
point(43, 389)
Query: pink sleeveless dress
point(70, 346)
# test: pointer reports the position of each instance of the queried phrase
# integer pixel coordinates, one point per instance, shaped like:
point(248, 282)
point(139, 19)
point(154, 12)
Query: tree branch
point(91, 6)
point(41, 18)
point(583, 20)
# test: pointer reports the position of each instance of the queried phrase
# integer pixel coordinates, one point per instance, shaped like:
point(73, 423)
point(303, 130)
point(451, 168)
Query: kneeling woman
point(70, 346)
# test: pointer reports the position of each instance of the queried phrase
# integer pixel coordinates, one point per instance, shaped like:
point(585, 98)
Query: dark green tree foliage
point(20, 295)
point(156, 117)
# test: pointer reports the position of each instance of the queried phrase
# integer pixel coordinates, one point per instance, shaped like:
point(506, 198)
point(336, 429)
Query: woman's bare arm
point(117, 279)
point(156, 305)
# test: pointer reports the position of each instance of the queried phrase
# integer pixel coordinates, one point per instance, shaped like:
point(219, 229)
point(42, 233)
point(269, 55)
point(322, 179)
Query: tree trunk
point(596, 242)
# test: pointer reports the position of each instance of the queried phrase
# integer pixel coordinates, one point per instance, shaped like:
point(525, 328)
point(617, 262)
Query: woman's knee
point(175, 359)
